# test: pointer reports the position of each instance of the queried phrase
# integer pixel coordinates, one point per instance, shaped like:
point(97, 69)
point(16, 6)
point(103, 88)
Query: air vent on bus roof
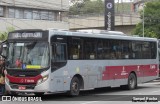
point(57, 29)
point(89, 31)
point(96, 31)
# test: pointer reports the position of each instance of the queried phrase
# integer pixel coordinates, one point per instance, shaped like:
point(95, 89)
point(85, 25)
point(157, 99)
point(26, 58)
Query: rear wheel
point(132, 81)
point(74, 87)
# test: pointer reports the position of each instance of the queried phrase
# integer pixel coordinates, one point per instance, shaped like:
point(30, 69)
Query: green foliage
point(151, 20)
point(87, 7)
point(123, 7)
point(97, 7)
point(4, 34)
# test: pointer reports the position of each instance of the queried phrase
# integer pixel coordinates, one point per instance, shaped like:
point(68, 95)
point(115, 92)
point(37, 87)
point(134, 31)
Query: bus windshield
point(28, 55)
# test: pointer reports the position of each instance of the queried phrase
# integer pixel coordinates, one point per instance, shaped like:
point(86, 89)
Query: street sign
point(109, 15)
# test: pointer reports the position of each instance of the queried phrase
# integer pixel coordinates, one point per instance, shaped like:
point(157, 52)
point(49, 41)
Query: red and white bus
point(53, 61)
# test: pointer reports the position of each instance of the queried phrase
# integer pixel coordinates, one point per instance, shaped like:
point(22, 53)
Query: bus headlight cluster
point(44, 78)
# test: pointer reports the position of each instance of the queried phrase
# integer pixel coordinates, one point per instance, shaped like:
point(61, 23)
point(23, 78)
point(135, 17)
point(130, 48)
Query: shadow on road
point(99, 94)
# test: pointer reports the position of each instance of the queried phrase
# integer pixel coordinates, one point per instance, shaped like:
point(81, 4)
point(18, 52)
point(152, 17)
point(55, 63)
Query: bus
point(159, 53)
point(56, 61)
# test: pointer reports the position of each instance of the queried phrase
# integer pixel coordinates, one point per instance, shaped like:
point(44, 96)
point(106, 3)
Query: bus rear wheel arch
point(132, 81)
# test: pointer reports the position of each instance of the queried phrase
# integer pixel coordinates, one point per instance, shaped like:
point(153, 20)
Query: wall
point(41, 4)
point(31, 24)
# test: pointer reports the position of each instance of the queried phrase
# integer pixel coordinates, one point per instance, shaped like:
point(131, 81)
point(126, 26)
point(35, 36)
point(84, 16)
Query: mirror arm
point(3, 56)
point(4, 42)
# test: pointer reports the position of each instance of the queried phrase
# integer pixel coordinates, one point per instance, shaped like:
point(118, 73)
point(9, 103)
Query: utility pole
point(143, 21)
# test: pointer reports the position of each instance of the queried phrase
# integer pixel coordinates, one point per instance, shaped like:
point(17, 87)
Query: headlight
point(44, 78)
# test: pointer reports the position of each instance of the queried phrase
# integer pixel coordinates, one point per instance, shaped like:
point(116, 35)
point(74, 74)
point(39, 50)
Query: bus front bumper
point(29, 88)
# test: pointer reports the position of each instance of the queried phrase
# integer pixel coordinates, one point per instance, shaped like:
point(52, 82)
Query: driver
point(18, 63)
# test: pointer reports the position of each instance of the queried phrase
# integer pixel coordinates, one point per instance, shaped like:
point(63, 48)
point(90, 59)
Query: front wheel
point(132, 81)
point(74, 87)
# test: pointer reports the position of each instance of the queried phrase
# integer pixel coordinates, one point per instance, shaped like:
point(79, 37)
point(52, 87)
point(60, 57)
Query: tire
point(132, 81)
point(74, 87)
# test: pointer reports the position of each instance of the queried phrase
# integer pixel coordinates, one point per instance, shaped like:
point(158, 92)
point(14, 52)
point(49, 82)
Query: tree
point(4, 34)
point(151, 20)
point(93, 7)
point(86, 6)
point(75, 1)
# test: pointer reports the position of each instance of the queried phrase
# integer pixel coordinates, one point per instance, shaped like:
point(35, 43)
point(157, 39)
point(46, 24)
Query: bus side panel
point(103, 73)
point(60, 80)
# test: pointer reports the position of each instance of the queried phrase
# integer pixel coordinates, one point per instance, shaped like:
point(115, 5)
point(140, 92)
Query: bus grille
point(15, 86)
point(25, 73)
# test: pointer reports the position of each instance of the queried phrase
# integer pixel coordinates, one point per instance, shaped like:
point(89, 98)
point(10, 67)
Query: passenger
point(2, 76)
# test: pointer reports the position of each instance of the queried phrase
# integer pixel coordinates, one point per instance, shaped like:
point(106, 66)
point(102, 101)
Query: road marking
point(155, 91)
point(153, 83)
point(90, 102)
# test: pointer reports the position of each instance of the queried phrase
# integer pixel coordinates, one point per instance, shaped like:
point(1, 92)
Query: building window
point(36, 15)
point(11, 13)
point(44, 15)
point(51, 16)
point(19, 13)
point(28, 14)
point(1, 11)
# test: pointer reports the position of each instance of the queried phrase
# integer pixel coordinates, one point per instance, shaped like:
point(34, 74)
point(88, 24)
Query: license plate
point(22, 87)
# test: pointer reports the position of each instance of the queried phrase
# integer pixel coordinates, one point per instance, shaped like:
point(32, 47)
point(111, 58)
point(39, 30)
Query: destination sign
point(27, 35)
point(38, 35)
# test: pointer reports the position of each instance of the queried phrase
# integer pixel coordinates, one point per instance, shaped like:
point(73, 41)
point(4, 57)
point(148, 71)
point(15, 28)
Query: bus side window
point(59, 52)
point(75, 48)
point(58, 55)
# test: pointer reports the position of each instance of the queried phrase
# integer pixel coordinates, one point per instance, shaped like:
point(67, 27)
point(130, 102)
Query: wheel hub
point(75, 86)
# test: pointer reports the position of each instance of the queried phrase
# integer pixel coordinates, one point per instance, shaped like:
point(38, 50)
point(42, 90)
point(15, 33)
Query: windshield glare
point(31, 55)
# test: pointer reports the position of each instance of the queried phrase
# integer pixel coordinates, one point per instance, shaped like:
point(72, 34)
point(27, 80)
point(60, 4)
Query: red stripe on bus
point(24, 80)
point(122, 72)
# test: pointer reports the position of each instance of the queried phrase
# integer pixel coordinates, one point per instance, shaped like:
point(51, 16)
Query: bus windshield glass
point(28, 55)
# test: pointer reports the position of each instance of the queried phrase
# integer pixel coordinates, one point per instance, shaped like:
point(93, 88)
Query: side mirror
point(1, 48)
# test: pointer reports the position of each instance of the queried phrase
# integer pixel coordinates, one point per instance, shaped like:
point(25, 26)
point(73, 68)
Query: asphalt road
point(150, 90)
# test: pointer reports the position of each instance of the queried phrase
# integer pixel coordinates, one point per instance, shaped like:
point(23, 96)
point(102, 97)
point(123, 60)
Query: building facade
point(34, 14)
point(138, 4)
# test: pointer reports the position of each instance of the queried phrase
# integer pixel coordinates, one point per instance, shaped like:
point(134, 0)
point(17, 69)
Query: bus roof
point(92, 34)
point(109, 35)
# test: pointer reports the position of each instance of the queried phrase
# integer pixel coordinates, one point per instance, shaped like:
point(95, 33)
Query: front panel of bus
point(27, 65)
